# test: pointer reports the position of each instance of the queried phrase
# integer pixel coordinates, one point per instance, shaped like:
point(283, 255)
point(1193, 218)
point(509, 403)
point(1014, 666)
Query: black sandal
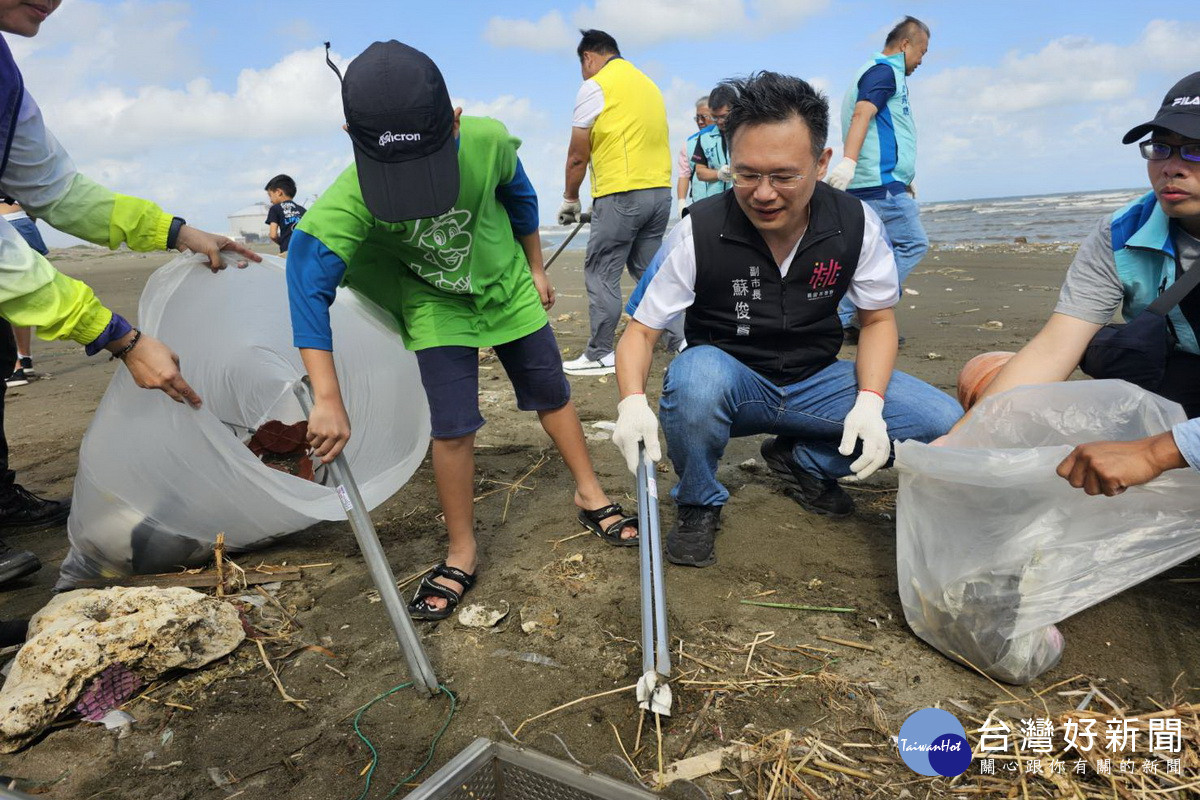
point(612, 534)
point(419, 609)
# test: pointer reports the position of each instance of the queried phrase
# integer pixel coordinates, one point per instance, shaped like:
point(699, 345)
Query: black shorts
point(450, 375)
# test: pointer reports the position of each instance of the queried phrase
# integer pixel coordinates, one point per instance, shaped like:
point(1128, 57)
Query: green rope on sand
point(375, 754)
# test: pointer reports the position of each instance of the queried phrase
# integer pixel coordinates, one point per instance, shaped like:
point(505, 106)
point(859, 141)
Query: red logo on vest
point(825, 274)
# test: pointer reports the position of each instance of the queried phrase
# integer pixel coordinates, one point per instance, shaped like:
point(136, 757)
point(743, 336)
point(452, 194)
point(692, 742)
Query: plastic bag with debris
point(993, 548)
point(158, 480)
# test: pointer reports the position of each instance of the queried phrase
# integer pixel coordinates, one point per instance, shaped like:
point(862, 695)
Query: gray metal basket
point(488, 770)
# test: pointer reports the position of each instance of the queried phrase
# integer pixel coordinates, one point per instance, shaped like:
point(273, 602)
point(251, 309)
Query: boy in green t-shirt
point(438, 224)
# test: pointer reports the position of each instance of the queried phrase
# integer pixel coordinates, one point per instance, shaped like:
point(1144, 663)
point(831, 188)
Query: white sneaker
point(583, 365)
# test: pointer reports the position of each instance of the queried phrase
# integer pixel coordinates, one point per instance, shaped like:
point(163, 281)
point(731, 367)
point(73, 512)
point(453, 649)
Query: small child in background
point(285, 212)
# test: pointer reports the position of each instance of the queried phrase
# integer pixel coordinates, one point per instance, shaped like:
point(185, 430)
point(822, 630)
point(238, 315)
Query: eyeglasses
point(1161, 151)
point(701, 118)
point(750, 180)
point(719, 117)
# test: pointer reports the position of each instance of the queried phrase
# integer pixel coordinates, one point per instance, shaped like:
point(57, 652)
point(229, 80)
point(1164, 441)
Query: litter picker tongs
point(653, 691)
point(419, 668)
point(584, 219)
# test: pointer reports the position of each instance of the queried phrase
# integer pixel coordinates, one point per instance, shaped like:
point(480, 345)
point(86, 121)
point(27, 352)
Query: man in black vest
point(758, 273)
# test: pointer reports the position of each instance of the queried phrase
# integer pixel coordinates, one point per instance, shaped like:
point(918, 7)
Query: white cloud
point(645, 22)
point(297, 96)
point(1046, 119)
point(1067, 71)
point(126, 42)
point(108, 77)
point(551, 32)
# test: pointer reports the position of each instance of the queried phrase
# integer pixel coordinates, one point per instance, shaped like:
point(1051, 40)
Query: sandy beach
point(1135, 646)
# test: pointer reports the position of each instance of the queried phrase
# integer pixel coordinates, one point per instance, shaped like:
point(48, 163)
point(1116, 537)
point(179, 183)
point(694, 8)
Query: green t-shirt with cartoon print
point(457, 279)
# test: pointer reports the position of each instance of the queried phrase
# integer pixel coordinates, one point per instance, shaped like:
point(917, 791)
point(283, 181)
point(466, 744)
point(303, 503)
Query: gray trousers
point(626, 231)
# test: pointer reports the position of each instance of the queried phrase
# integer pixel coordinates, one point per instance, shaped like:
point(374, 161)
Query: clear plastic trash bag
point(993, 548)
point(158, 480)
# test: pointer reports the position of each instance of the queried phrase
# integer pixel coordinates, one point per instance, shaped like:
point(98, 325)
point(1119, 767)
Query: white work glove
point(840, 176)
point(912, 190)
point(636, 423)
point(725, 173)
point(865, 421)
point(568, 212)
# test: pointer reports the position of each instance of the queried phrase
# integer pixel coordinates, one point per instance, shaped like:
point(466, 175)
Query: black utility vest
point(785, 329)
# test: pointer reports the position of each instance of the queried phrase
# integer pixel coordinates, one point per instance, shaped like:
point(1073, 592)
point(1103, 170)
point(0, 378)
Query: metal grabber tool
point(653, 691)
point(419, 668)
point(584, 219)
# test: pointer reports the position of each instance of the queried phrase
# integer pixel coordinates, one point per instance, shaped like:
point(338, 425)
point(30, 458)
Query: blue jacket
point(1145, 257)
point(889, 151)
point(716, 155)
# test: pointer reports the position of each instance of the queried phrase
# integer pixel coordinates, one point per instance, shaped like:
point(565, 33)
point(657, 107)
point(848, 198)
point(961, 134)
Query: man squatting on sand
point(757, 274)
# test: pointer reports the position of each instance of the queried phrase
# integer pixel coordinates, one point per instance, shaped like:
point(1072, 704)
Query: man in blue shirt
point(879, 153)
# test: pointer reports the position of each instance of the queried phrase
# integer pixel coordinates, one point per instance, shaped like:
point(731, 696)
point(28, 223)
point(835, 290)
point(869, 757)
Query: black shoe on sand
point(692, 540)
point(21, 510)
point(16, 564)
point(818, 495)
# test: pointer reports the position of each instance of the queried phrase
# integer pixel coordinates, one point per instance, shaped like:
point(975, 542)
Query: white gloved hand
point(568, 212)
point(840, 176)
point(725, 174)
point(636, 423)
point(865, 421)
point(912, 190)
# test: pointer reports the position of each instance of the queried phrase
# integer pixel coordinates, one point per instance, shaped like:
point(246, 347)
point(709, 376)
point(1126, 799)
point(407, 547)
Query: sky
point(195, 105)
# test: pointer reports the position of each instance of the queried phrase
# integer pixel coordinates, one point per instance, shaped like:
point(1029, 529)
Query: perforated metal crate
point(488, 770)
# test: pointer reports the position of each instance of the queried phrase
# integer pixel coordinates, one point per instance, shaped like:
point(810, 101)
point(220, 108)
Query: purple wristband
point(118, 327)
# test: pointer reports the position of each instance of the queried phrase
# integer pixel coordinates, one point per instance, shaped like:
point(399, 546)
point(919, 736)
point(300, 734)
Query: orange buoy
point(977, 375)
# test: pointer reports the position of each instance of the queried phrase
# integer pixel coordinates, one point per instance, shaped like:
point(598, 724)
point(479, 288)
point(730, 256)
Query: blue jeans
point(29, 231)
point(902, 222)
point(709, 396)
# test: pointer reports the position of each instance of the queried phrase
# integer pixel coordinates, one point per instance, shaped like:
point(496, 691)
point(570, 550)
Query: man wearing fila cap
point(1131, 258)
point(620, 127)
point(437, 223)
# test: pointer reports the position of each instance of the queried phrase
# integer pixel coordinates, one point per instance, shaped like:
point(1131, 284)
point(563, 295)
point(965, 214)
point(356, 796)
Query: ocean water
point(1044, 218)
point(1062, 218)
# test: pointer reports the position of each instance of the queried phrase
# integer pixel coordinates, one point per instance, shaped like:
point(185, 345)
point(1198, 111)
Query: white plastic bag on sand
point(158, 480)
point(993, 547)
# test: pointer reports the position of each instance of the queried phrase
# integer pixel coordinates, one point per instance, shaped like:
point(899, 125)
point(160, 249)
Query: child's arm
point(274, 233)
point(313, 274)
point(520, 201)
point(328, 424)
point(531, 243)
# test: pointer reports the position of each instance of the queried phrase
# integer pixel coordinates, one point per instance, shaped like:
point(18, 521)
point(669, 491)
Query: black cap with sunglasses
point(1179, 113)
